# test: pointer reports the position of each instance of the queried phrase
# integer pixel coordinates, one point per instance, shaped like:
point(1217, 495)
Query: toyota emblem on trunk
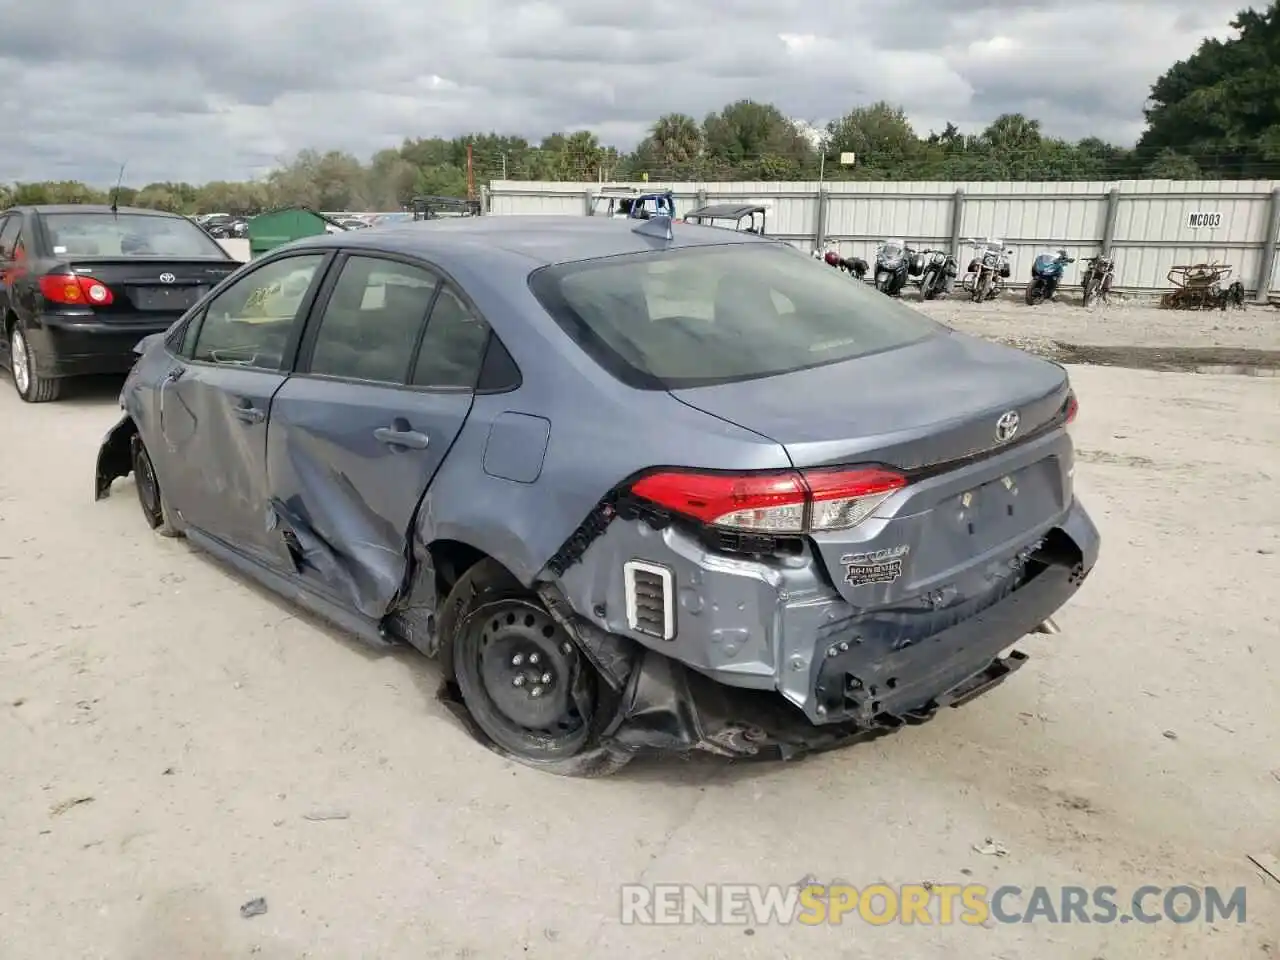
point(167, 278)
point(1007, 426)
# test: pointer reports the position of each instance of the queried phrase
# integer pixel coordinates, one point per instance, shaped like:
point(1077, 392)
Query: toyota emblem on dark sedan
point(1007, 426)
point(167, 278)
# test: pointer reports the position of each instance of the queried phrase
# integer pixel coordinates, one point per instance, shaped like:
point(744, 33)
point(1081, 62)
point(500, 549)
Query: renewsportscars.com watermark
point(926, 904)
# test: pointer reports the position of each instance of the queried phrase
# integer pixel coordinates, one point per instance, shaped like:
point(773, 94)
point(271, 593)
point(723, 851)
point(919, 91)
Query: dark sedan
point(80, 285)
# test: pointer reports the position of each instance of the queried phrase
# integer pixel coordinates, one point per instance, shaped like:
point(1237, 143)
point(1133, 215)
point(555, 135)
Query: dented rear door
point(358, 433)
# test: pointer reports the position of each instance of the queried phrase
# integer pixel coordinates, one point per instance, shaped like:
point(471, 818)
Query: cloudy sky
point(224, 89)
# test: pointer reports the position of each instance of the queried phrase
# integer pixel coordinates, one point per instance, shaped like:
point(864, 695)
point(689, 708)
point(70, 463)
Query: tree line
point(1215, 115)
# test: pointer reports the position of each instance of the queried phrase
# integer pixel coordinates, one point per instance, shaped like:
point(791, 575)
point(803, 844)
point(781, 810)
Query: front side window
point(695, 316)
point(129, 236)
point(372, 320)
point(249, 323)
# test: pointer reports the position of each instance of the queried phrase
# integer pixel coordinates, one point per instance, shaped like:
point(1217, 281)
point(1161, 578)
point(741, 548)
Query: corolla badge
point(1007, 426)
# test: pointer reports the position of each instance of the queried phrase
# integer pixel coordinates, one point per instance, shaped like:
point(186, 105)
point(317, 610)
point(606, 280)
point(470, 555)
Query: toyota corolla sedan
point(638, 486)
point(80, 285)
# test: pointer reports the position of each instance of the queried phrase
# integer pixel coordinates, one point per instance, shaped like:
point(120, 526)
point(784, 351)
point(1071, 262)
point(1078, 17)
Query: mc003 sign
point(1201, 219)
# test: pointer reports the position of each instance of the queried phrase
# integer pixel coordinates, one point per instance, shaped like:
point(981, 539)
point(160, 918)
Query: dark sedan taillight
point(74, 290)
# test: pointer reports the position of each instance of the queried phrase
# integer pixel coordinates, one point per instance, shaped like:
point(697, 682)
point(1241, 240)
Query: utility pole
point(471, 176)
point(824, 145)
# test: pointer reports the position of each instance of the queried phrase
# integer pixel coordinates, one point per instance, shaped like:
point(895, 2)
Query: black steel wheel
point(523, 680)
point(154, 509)
point(526, 670)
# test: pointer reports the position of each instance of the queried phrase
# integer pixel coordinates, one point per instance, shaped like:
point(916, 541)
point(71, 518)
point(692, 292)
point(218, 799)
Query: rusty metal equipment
point(1199, 286)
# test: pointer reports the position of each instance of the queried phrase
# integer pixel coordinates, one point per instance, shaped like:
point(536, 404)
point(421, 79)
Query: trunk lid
point(974, 502)
point(150, 290)
point(934, 401)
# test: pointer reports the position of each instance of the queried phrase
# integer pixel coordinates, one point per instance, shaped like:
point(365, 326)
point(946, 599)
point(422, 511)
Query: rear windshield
point(127, 235)
point(698, 316)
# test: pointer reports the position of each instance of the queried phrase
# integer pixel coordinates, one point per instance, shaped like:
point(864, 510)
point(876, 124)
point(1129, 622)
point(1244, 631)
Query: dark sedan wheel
point(150, 497)
point(31, 387)
point(523, 680)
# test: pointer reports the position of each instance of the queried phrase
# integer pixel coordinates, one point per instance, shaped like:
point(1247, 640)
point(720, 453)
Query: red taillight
point(1073, 407)
point(75, 290)
point(750, 501)
point(781, 502)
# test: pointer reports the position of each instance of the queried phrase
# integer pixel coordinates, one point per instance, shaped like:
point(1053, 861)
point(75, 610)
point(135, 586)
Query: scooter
point(1046, 274)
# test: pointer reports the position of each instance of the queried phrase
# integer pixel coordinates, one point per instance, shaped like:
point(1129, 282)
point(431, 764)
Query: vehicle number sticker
point(875, 566)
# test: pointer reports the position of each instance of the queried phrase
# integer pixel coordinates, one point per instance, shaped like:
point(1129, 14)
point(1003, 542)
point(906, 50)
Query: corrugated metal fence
point(1148, 225)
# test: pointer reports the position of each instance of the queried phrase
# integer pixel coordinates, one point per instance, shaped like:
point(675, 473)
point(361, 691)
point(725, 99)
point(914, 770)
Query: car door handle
point(402, 438)
point(246, 411)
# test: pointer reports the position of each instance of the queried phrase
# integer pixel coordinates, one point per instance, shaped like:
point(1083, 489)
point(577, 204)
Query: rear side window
point(10, 227)
point(453, 347)
point(698, 316)
point(372, 320)
point(128, 235)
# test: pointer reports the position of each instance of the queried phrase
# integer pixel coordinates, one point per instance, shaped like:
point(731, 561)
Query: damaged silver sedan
point(654, 487)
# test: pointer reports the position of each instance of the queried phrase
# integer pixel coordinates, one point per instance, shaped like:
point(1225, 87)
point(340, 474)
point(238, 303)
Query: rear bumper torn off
point(857, 690)
point(670, 708)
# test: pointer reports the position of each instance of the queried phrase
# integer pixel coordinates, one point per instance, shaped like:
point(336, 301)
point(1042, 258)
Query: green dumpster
point(270, 230)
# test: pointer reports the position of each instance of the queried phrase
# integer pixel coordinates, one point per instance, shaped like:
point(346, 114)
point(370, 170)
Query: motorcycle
point(938, 272)
point(1097, 279)
point(893, 265)
point(856, 267)
point(988, 270)
point(1046, 274)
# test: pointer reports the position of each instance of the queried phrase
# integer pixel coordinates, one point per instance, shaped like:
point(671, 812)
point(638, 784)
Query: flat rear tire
point(155, 508)
point(524, 682)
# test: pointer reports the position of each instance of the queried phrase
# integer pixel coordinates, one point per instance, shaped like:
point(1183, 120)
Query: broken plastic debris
point(1267, 864)
point(60, 808)
point(319, 815)
point(254, 908)
point(991, 848)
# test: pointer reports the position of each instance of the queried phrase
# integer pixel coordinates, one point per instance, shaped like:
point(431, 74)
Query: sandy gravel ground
point(167, 731)
point(1123, 323)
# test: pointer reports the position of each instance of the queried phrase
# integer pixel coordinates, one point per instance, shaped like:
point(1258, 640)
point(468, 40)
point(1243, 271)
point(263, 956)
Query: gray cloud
point(195, 90)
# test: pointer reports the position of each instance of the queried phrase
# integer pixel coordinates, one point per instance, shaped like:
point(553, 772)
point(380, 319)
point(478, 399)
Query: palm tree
point(676, 139)
point(581, 156)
